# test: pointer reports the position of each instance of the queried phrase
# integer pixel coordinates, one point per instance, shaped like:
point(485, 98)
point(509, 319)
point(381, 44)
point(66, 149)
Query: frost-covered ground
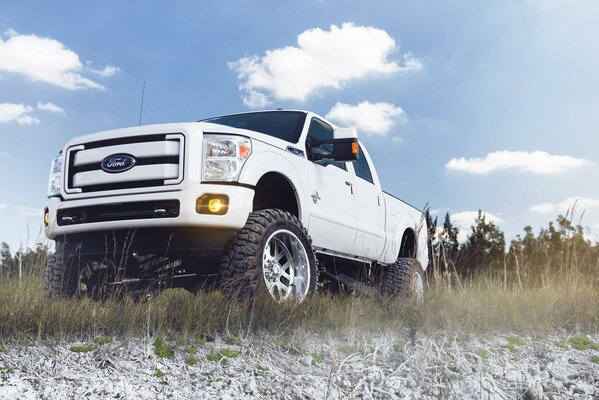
point(308, 367)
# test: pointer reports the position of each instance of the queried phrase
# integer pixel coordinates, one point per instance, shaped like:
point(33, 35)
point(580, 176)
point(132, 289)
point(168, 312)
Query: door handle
point(351, 186)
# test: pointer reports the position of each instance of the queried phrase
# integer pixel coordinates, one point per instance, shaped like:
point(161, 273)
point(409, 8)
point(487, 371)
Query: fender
point(402, 223)
point(405, 222)
point(264, 162)
point(419, 228)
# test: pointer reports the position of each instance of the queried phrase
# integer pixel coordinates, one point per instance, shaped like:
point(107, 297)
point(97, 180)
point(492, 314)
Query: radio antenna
point(141, 109)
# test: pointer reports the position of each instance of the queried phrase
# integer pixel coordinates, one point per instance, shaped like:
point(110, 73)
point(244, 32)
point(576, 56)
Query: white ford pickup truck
point(279, 201)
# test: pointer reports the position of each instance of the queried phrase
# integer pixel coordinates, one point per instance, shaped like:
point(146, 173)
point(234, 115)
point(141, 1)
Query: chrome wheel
point(285, 266)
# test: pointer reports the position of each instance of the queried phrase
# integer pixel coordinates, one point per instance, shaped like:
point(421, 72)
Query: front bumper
point(240, 206)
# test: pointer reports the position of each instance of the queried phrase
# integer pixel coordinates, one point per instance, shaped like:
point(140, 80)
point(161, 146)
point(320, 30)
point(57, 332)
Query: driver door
point(332, 201)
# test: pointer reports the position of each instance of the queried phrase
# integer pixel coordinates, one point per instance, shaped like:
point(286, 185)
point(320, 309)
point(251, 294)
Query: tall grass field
point(568, 300)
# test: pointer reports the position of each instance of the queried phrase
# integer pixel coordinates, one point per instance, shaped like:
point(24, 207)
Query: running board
point(354, 284)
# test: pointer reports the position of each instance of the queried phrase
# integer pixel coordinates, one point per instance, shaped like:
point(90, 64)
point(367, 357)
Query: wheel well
point(408, 244)
point(274, 190)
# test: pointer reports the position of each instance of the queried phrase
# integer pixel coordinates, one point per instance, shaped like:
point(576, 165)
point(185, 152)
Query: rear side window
point(320, 130)
point(362, 169)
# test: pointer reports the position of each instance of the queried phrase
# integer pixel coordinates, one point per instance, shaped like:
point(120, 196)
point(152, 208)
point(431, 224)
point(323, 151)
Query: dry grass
point(480, 307)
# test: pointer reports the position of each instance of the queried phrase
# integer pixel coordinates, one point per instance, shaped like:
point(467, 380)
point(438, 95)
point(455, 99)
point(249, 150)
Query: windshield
point(286, 125)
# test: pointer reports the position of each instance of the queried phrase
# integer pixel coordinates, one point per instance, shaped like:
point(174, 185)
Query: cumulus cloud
point(581, 203)
point(22, 113)
point(321, 59)
point(17, 112)
point(3, 206)
point(370, 118)
point(43, 59)
point(538, 162)
point(29, 211)
point(50, 107)
point(465, 219)
point(105, 72)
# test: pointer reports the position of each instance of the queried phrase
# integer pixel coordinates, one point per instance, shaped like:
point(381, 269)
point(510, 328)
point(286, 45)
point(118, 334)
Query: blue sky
point(491, 105)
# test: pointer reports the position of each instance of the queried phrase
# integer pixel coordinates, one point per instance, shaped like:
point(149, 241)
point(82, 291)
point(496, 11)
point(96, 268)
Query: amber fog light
point(215, 204)
point(46, 217)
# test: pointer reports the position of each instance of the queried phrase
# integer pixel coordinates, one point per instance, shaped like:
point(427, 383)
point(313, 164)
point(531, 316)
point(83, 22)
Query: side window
point(362, 169)
point(320, 130)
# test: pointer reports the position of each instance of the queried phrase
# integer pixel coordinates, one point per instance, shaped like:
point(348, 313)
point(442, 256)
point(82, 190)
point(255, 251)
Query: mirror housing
point(345, 133)
point(344, 149)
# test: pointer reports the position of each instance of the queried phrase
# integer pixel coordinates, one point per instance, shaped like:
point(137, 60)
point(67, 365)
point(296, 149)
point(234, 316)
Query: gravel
point(306, 366)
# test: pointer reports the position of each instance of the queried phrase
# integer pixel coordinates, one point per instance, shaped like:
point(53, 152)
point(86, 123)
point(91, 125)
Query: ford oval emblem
point(118, 163)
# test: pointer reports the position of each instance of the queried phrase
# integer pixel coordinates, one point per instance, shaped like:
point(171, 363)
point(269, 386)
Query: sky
point(463, 105)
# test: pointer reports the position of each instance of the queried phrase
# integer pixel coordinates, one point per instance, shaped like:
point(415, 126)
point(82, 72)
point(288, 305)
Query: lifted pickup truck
point(279, 201)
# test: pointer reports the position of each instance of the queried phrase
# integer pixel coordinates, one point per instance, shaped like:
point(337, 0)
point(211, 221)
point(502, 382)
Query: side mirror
point(345, 133)
point(343, 149)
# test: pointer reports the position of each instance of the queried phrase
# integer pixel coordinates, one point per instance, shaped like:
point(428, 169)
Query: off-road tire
point(241, 262)
point(61, 275)
point(398, 278)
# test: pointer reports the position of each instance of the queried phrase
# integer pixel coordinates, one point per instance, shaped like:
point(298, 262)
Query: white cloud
point(254, 99)
point(538, 162)
point(370, 118)
point(29, 211)
point(465, 219)
point(43, 59)
point(3, 206)
point(581, 204)
point(22, 113)
point(322, 59)
point(544, 208)
point(50, 107)
point(28, 120)
point(17, 112)
point(105, 72)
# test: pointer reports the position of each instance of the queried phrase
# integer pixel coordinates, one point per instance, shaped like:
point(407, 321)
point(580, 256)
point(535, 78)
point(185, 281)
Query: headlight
point(55, 181)
point(224, 157)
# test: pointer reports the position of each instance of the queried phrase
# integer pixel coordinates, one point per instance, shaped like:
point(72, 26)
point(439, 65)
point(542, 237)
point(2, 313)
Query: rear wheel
point(272, 253)
point(404, 278)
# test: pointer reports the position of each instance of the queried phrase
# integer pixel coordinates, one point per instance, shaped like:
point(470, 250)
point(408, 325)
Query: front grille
point(118, 212)
point(158, 162)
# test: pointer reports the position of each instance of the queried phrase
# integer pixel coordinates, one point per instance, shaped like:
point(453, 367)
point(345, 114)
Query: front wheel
point(272, 253)
point(67, 274)
point(61, 274)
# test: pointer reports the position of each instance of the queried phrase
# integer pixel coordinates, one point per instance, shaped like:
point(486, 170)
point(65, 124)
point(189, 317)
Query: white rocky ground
point(307, 367)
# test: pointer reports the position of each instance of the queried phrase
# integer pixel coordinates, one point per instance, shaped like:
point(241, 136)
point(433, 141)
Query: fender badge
point(315, 197)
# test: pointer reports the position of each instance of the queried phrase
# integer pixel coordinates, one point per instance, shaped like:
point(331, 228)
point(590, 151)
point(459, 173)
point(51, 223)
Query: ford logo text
point(118, 163)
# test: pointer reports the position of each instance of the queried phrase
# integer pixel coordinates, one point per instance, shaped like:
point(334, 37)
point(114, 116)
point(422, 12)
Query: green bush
point(162, 349)
point(83, 348)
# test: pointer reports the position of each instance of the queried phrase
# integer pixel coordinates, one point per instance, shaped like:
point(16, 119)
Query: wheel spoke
point(287, 276)
point(272, 288)
point(280, 256)
point(282, 286)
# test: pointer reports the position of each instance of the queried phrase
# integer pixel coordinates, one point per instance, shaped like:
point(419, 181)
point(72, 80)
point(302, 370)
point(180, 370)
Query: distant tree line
point(558, 251)
point(528, 260)
point(22, 261)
